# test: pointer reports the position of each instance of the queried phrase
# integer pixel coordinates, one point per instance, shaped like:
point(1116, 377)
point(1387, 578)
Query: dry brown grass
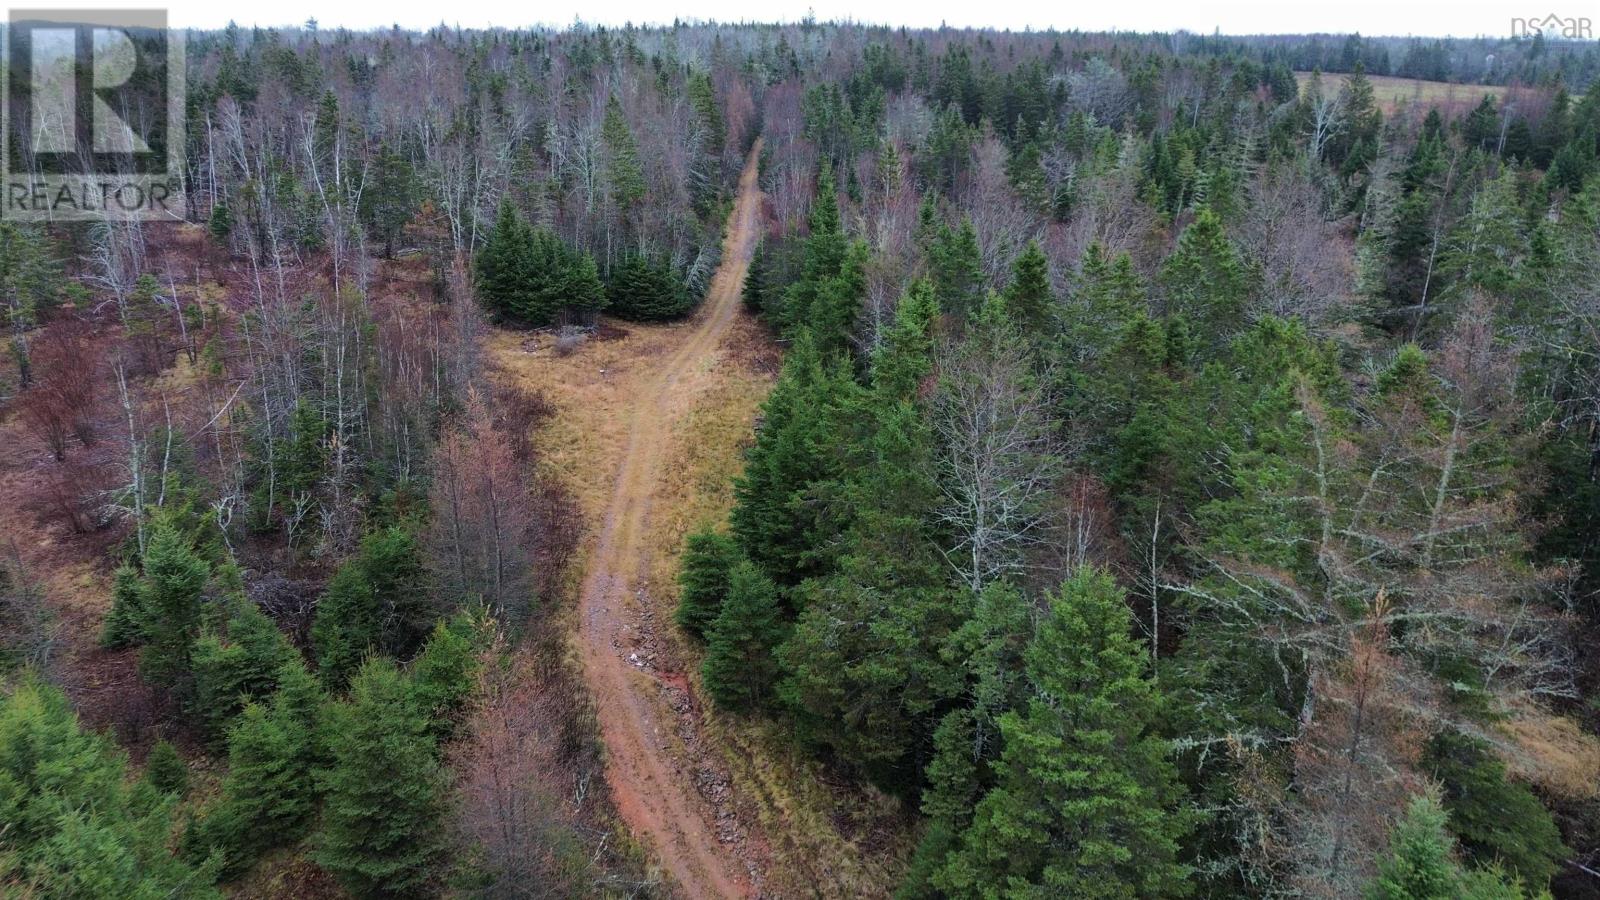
point(592, 389)
point(1554, 753)
point(1397, 93)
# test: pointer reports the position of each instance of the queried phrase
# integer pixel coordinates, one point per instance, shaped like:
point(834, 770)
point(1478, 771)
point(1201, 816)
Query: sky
point(1462, 18)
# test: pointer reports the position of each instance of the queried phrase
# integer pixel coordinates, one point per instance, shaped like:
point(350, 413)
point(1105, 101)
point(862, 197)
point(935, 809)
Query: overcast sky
point(1393, 17)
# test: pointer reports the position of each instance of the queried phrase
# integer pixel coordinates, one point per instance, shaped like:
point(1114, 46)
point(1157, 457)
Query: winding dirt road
point(652, 787)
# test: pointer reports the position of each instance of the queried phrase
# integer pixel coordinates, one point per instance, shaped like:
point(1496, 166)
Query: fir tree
point(446, 673)
point(165, 769)
point(1206, 282)
point(379, 599)
point(390, 197)
point(1029, 297)
point(502, 269)
point(708, 560)
point(270, 792)
point(1109, 295)
point(1421, 864)
point(124, 624)
point(624, 177)
point(1085, 797)
point(646, 290)
point(175, 579)
point(806, 419)
point(1496, 819)
point(383, 816)
point(75, 826)
point(738, 670)
point(236, 666)
point(955, 265)
point(757, 287)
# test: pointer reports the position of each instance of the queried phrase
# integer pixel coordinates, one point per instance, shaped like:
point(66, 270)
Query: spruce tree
point(175, 579)
point(1085, 798)
point(1421, 864)
point(808, 418)
point(379, 599)
point(236, 666)
point(75, 826)
point(955, 265)
point(124, 624)
point(708, 560)
point(501, 269)
point(822, 255)
point(1496, 819)
point(384, 812)
point(739, 670)
point(445, 674)
point(623, 174)
point(165, 769)
point(1029, 297)
point(757, 285)
point(643, 289)
point(1108, 296)
point(270, 792)
point(1206, 281)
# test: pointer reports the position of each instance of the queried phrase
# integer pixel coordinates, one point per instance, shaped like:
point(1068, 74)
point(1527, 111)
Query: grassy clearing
point(1397, 93)
point(592, 390)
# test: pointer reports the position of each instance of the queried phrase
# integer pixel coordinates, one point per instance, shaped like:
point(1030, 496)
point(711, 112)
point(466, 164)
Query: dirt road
point(653, 787)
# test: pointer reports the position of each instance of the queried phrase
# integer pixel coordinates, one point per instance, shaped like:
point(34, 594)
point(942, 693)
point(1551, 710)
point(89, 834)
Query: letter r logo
point(55, 90)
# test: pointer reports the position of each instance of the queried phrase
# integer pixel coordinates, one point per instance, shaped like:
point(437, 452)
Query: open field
point(1397, 93)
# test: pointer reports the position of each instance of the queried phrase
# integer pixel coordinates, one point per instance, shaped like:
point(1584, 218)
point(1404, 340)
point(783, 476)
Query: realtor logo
point(93, 116)
point(1578, 28)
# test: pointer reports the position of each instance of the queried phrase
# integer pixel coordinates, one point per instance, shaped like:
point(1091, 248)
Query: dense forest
point(1182, 477)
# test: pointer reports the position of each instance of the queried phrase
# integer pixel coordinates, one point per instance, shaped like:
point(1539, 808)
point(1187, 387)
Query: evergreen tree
point(1029, 297)
point(624, 176)
point(757, 288)
point(1206, 282)
point(346, 626)
point(1109, 295)
point(446, 673)
point(75, 826)
point(165, 769)
point(236, 666)
point(708, 561)
point(821, 256)
point(1084, 800)
point(124, 624)
point(1355, 141)
point(807, 418)
point(391, 196)
point(738, 670)
point(1421, 865)
point(502, 269)
point(529, 276)
point(955, 265)
point(383, 816)
point(643, 289)
point(270, 792)
point(862, 667)
point(905, 358)
point(175, 579)
point(1497, 820)
point(379, 599)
